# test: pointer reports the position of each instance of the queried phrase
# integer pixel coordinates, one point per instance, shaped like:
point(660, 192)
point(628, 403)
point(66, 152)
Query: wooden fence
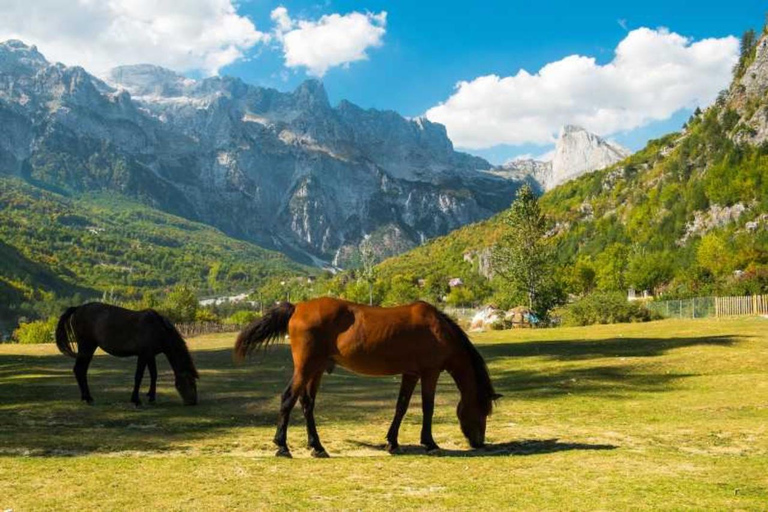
point(741, 306)
point(191, 329)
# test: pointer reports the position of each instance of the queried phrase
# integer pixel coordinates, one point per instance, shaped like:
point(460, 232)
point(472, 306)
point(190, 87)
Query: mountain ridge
point(284, 170)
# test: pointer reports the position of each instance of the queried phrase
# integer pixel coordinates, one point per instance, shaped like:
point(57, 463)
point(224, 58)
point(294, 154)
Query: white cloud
point(654, 73)
point(202, 35)
point(333, 40)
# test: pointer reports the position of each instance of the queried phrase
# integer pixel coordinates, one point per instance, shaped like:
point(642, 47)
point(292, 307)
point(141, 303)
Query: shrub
point(242, 317)
point(604, 308)
point(206, 315)
point(501, 324)
point(180, 305)
point(38, 331)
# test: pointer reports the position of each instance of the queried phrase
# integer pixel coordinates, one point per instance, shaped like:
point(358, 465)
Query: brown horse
point(417, 341)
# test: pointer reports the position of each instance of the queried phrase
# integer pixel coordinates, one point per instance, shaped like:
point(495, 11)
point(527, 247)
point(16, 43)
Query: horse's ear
point(496, 396)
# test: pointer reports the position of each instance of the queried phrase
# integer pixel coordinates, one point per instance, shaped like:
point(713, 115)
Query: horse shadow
point(42, 414)
point(505, 449)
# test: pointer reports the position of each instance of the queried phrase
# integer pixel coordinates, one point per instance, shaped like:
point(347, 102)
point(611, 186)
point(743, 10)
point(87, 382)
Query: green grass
point(665, 415)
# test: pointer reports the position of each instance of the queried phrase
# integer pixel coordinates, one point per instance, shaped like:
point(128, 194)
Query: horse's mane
point(485, 392)
point(177, 349)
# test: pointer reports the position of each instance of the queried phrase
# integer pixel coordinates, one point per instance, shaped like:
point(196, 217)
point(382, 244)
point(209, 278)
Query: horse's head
point(472, 419)
point(186, 385)
point(473, 415)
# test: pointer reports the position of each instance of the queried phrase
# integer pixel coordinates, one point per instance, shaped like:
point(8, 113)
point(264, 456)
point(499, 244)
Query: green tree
point(582, 278)
point(402, 290)
point(368, 265)
point(713, 254)
point(180, 305)
point(612, 267)
point(523, 255)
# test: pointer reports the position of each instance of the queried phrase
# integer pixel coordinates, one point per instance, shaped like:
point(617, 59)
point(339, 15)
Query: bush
point(604, 308)
point(501, 324)
point(242, 317)
point(38, 331)
point(180, 305)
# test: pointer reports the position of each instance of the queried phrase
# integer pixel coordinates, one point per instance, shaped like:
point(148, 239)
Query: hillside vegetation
point(686, 215)
point(56, 246)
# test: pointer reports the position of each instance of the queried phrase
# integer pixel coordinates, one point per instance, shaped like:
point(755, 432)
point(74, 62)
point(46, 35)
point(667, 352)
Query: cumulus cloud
point(333, 40)
point(200, 35)
point(653, 74)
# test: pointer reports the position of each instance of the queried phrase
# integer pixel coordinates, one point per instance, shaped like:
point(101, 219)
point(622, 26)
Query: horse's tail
point(65, 333)
point(265, 330)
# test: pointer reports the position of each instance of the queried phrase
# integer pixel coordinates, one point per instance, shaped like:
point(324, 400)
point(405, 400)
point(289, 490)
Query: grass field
point(665, 415)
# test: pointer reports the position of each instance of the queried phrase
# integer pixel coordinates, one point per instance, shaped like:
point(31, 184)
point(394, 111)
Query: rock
point(716, 216)
point(578, 152)
point(485, 317)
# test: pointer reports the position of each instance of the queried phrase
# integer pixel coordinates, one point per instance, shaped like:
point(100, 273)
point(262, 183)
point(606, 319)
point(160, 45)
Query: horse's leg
point(141, 364)
point(290, 395)
point(84, 356)
point(407, 385)
point(428, 387)
point(152, 365)
point(308, 406)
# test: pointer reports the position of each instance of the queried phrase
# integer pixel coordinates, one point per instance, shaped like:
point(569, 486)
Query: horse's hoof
point(393, 448)
point(283, 451)
point(152, 399)
point(320, 454)
point(88, 401)
point(136, 403)
point(431, 448)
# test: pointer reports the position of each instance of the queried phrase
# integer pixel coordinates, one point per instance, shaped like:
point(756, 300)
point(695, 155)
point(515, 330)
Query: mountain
point(535, 172)
point(577, 152)
point(284, 170)
point(685, 216)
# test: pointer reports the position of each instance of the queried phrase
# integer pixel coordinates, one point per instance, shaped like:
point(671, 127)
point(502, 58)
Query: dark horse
point(417, 341)
point(124, 333)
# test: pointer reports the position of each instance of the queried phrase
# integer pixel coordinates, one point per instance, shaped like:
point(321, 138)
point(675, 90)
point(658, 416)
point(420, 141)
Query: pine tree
point(368, 268)
point(523, 256)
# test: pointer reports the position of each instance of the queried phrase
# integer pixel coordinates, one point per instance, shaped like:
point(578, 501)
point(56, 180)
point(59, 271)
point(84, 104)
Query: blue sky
point(431, 45)
point(419, 51)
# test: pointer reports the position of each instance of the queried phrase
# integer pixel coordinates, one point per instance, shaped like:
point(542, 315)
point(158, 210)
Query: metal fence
point(708, 307)
point(697, 307)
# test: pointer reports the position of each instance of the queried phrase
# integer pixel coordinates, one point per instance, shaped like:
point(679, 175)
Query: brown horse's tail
point(265, 330)
point(65, 333)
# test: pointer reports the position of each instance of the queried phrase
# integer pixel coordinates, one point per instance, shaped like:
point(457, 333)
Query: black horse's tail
point(265, 330)
point(65, 333)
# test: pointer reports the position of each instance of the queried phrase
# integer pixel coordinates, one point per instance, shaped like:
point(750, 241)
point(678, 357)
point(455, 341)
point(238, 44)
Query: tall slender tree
point(523, 255)
point(368, 265)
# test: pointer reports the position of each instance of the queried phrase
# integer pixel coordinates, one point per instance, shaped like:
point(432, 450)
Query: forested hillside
point(55, 246)
point(687, 215)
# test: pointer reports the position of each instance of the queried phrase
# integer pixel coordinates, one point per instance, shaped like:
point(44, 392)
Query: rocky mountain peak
point(15, 54)
point(149, 80)
point(578, 151)
point(311, 94)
